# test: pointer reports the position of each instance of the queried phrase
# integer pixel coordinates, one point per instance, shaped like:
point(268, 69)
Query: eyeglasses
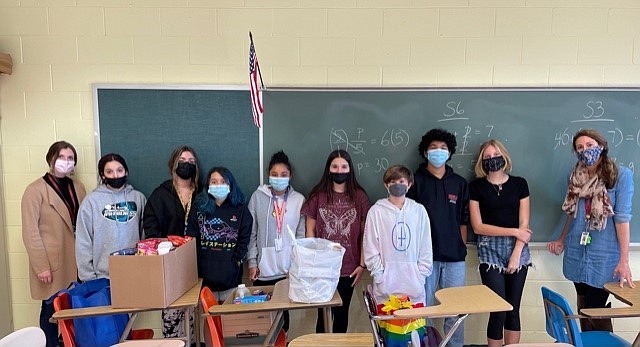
point(190, 161)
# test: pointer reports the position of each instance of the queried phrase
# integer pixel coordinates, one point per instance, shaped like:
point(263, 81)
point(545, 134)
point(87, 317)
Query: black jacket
point(164, 213)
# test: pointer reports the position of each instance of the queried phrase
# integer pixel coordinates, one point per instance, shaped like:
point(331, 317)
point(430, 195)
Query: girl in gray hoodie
point(109, 219)
point(274, 206)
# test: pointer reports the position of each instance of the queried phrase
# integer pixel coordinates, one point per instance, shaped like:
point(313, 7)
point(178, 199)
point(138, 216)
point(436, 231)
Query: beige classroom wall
point(61, 47)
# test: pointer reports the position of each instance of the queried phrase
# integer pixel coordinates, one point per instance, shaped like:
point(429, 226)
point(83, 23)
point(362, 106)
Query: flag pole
point(257, 65)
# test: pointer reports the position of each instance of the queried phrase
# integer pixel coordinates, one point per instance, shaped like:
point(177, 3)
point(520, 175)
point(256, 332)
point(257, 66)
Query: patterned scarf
point(581, 186)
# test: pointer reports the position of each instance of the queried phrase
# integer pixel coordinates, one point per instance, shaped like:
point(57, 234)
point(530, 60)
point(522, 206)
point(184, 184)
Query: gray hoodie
point(108, 220)
point(273, 264)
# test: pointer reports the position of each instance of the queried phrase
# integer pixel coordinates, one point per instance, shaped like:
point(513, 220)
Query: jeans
point(445, 275)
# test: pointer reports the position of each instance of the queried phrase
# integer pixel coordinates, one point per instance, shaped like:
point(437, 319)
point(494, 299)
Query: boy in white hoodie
point(397, 241)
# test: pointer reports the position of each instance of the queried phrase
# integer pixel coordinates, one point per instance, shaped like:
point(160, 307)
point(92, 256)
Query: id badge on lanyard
point(279, 212)
point(585, 238)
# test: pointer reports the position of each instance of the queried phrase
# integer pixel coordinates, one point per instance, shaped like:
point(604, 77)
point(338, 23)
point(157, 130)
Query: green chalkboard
point(384, 127)
point(145, 124)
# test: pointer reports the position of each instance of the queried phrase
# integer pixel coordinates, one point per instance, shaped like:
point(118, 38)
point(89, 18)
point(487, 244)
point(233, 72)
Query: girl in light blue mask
point(222, 227)
point(274, 207)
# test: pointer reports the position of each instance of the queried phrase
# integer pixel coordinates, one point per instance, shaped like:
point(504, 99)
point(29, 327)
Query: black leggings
point(593, 297)
point(509, 287)
point(340, 314)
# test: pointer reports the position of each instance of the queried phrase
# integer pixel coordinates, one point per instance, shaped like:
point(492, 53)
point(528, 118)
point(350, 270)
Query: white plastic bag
point(315, 270)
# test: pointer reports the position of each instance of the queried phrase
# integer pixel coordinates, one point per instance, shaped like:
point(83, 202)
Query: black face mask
point(338, 178)
point(493, 164)
point(186, 170)
point(116, 183)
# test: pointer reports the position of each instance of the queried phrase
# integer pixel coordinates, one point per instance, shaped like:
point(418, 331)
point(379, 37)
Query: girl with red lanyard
point(274, 206)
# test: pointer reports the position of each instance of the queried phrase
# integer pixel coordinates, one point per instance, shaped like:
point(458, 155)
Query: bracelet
point(362, 266)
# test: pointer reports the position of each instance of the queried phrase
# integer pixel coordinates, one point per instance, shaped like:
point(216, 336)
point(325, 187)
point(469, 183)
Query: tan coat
point(48, 236)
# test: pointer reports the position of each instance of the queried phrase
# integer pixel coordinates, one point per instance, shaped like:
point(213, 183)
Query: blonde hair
point(479, 170)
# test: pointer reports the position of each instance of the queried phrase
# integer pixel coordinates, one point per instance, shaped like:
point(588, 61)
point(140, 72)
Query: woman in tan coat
point(49, 210)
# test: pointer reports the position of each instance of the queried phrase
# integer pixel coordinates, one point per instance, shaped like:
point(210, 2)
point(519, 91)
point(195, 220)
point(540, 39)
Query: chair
point(29, 336)
point(213, 324)
point(561, 324)
point(63, 302)
point(372, 310)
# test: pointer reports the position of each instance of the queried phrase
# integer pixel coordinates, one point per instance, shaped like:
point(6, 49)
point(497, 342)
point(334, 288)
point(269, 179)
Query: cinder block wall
point(61, 47)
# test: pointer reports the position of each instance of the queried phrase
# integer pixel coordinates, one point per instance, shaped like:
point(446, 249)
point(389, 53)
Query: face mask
point(437, 157)
point(116, 183)
point(186, 170)
point(590, 156)
point(493, 164)
point(64, 166)
point(219, 191)
point(398, 189)
point(338, 178)
point(279, 183)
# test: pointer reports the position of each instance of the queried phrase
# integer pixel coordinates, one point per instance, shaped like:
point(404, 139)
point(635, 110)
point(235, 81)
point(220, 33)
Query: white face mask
point(64, 166)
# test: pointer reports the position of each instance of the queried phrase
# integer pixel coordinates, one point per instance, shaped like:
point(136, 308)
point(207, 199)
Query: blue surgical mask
point(590, 156)
point(437, 157)
point(279, 183)
point(219, 191)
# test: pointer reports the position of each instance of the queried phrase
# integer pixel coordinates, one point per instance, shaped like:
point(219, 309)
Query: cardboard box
point(247, 324)
point(243, 325)
point(152, 281)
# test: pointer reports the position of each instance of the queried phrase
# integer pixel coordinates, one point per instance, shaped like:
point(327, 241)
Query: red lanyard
point(587, 208)
point(279, 211)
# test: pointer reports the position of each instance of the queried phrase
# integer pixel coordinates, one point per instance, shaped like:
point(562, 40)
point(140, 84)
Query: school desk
point(187, 300)
point(279, 303)
point(626, 294)
point(343, 340)
point(458, 302)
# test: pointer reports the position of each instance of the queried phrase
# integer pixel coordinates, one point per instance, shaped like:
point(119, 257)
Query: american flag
point(256, 92)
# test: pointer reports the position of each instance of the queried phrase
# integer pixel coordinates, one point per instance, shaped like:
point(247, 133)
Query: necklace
point(498, 186)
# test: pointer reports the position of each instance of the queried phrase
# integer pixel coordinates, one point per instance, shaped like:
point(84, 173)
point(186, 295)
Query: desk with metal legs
point(458, 302)
point(186, 301)
point(279, 303)
point(626, 294)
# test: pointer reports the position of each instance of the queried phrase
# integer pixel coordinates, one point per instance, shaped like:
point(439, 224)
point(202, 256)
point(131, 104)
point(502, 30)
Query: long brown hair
point(607, 170)
point(326, 185)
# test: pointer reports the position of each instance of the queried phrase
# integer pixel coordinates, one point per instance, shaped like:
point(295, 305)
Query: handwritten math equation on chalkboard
point(595, 115)
point(469, 134)
point(359, 143)
point(371, 151)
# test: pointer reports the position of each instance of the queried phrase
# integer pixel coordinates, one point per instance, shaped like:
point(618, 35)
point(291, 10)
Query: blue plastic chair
point(561, 324)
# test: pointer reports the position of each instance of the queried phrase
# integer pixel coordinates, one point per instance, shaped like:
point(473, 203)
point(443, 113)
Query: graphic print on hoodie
point(217, 234)
point(122, 211)
point(108, 221)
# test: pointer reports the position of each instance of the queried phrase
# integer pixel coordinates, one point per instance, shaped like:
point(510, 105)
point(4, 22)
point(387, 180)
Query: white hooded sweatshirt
point(397, 249)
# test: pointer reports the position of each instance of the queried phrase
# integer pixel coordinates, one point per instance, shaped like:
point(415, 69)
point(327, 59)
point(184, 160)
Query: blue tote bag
point(101, 330)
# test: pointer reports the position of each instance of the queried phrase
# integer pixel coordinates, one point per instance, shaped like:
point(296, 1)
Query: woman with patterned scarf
point(595, 236)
